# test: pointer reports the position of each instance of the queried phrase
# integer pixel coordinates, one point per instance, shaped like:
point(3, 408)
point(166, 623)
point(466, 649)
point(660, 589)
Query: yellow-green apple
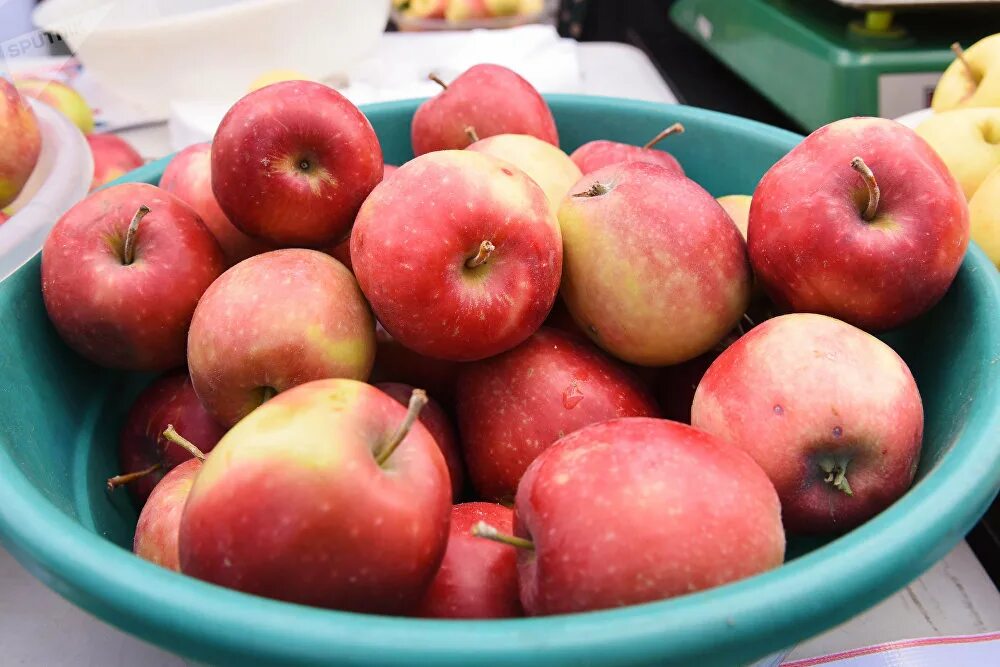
point(188, 176)
point(513, 406)
point(738, 208)
point(158, 528)
point(61, 97)
point(458, 254)
point(396, 363)
point(274, 321)
point(21, 141)
point(677, 511)
point(434, 418)
point(831, 413)
point(594, 155)
point(984, 216)
point(972, 79)
point(861, 221)
point(292, 162)
point(477, 578)
point(548, 166)
point(530, 7)
point(487, 99)
point(113, 158)
point(122, 272)
point(968, 140)
point(426, 9)
point(655, 272)
point(332, 495)
point(144, 455)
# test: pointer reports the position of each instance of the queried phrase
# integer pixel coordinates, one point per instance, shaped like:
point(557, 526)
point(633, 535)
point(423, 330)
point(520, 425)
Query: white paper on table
point(960, 651)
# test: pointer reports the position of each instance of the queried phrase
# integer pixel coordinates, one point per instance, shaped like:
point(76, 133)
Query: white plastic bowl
point(155, 51)
point(60, 179)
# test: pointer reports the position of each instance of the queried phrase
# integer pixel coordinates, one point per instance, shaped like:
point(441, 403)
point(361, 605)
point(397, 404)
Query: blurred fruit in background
point(468, 14)
point(276, 76)
point(61, 97)
point(984, 216)
point(972, 79)
point(113, 157)
point(21, 142)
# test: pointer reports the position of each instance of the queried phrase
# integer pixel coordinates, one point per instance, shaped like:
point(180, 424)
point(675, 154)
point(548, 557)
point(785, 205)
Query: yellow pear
point(968, 140)
point(984, 216)
point(972, 79)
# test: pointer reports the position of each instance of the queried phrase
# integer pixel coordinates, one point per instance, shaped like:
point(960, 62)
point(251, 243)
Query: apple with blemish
point(144, 455)
point(861, 221)
point(595, 155)
point(113, 158)
point(548, 166)
point(332, 494)
point(122, 272)
point(655, 272)
point(21, 140)
point(513, 406)
point(434, 418)
point(489, 98)
point(635, 510)
point(831, 413)
point(274, 321)
point(292, 162)
point(62, 98)
point(477, 578)
point(189, 177)
point(483, 281)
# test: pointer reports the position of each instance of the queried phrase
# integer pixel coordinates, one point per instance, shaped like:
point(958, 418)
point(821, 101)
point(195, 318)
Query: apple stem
point(596, 190)
point(486, 249)
point(471, 133)
point(488, 532)
point(173, 436)
point(121, 480)
point(960, 55)
point(858, 165)
point(133, 227)
point(676, 128)
point(836, 474)
point(418, 399)
point(436, 79)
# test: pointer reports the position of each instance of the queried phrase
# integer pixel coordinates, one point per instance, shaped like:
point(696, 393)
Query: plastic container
point(60, 179)
point(155, 51)
point(59, 417)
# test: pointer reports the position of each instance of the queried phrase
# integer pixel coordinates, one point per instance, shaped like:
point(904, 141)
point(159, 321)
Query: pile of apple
point(457, 11)
point(267, 464)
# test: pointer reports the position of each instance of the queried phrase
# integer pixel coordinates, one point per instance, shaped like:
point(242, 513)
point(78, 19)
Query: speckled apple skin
point(489, 98)
point(512, 407)
point(595, 155)
point(434, 418)
point(803, 386)
point(158, 529)
point(654, 271)
point(477, 577)
point(134, 316)
point(277, 320)
point(812, 250)
point(415, 233)
point(21, 141)
point(169, 400)
point(189, 177)
point(292, 505)
point(113, 158)
point(256, 157)
point(635, 510)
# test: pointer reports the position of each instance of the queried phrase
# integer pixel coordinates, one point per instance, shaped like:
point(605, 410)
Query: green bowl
point(59, 417)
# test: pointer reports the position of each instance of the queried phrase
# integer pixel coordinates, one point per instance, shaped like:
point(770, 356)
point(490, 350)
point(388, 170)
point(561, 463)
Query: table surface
point(37, 627)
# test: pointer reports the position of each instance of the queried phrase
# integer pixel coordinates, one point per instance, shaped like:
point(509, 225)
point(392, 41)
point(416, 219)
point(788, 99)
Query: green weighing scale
point(820, 60)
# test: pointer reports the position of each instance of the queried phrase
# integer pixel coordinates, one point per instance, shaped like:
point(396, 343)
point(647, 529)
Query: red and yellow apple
point(62, 98)
point(21, 141)
point(594, 155)
point(158, 529)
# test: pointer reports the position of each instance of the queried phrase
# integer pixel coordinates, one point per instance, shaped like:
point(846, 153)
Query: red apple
point(489, 100)
point(433, 417)
point(189, 177)
point(458, 254)
point(654, 270)
point(676, 386)
point(477, 578)
point(113, 158)
point(332, 494)
point(512, 407)
point(594, 155)
point(158, 529)
point(342, 251)
point(292, 162)
point(831, 413)
point(395, 363)
point(635, 510)
point(3, 217)
point(170, 400)
point(272, 322)
point(21, 142)
point(122, 272)
point(861, 221)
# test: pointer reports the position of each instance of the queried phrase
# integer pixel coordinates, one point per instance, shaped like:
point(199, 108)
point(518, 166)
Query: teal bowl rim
point(748, 618)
